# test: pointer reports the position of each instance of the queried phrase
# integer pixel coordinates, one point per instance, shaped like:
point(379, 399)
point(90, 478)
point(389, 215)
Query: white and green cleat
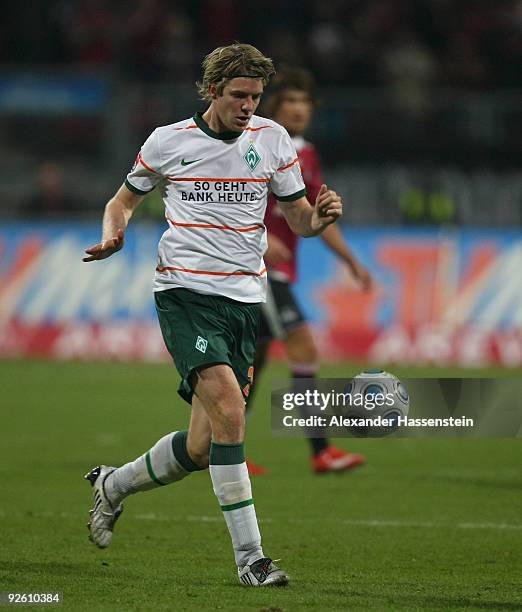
point(263, 572)
point(104, 514)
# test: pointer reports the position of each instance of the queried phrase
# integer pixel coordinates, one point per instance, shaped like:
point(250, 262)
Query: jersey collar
point(202, 125)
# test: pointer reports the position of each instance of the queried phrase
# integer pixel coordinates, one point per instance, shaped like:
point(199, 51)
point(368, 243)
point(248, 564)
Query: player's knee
point(228, 423)
point(233, 417)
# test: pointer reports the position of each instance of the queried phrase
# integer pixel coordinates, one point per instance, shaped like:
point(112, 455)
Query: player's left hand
point(328, 208)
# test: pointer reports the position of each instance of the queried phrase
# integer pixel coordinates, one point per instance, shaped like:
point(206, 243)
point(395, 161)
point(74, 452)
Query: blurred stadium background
point(419, 127)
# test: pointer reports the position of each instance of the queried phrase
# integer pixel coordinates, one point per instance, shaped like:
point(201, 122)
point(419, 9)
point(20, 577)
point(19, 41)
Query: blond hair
point(237, 60)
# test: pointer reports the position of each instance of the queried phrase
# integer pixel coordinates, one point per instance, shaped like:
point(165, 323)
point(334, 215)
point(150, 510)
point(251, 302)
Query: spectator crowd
point(474, 44)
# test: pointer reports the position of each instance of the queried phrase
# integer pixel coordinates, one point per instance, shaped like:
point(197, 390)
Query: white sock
point(232, 487)
point(157, 467)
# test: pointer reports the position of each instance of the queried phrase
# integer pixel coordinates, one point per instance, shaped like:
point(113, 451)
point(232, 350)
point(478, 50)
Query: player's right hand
point(105, 248)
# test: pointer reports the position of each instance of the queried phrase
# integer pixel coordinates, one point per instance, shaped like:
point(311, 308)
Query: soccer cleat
point(256, 470)
point(103, 514)
point(334, 459)
point(263, 572)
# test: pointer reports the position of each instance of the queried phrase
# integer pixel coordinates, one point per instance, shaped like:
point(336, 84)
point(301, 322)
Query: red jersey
point(274, 220)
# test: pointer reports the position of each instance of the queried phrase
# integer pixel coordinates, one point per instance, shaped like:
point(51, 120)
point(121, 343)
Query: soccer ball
point(382, 399)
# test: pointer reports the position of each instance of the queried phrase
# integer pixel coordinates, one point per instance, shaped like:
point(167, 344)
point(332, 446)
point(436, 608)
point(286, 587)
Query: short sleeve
point(287, 183)
point(146, 171)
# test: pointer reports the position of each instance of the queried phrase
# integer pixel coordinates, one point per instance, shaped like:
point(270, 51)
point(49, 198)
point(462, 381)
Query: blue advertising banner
point(439, 296)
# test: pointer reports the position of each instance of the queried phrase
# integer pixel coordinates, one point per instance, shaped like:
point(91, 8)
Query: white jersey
point(215, 189)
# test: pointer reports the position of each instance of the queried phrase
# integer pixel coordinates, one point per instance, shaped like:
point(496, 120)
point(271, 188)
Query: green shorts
point(200, 330)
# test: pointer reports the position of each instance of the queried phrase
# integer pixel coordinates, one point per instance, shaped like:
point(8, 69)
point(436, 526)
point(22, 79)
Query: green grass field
point(426, 524)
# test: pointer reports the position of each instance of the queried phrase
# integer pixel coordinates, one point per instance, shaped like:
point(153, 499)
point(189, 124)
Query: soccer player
point(290, 102)
point(214, 171)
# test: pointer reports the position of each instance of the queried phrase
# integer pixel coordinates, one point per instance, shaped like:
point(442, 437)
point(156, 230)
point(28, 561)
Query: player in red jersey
point(291, 101)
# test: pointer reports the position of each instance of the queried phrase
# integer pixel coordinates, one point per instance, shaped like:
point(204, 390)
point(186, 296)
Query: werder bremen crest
point(252, 157)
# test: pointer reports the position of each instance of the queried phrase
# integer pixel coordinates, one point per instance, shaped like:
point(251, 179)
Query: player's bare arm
point(333, 238)
point(307, 220)
point(118, 211)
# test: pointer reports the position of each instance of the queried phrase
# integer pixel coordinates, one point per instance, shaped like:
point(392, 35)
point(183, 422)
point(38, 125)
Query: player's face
point(294, 112)
point(238, 102)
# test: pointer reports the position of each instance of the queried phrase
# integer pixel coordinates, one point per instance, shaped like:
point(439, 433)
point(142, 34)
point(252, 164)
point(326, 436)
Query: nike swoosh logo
point(187, 163)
